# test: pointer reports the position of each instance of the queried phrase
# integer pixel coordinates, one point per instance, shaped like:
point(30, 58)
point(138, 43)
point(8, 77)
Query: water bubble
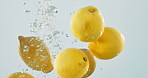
point(38, 46)
point(32, 44)
point(42, 25)
point(37, 54)
point(24, 3)
point(67, 35)
point(26, 69)
point(101, 68)
point(56, 32)
point(52, 9)
point(25, 50)
point(35, 24)
point(35, 62)
point(42, 59)
point(56, 45)
point(41, 50)
point(21, 75)
point(37, 66)
point(25, 46)
point(27, 11)
point(44, 65)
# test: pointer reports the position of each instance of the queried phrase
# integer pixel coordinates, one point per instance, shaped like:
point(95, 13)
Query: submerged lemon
point(71, 63)
point(35, 53)
point(92, 63)
point(109, 45)
point(87, 24)
point(20, 75)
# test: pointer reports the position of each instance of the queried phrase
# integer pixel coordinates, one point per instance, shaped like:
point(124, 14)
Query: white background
point(128, 16)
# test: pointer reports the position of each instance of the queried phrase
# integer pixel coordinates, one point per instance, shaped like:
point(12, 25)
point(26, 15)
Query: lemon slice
point(20, 75)
point(35, 53)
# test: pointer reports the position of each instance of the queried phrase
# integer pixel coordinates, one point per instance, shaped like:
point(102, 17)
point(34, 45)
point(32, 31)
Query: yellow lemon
point(71, 63)
point(109, 45)
point(87, 24)
point(92, 63)
point(35, 53)
point(20, 75)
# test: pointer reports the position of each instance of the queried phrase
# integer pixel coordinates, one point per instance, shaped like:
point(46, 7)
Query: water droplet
point(21, 75)
point(25, 46)
point(44, 65)
point(44, 56)
point(41, 50)
point(37, 54)
point(56, 45)
point(35, 62)
point(37, 66)
point(76, 40)
point(67, 35)
point(35, 24)
point(31, 39)
point(27, 11)
point(38, 46)
point(26, 69)
point(25, 50)
point(101, 68)
point(42, 59)
point(24, 3)
point(32, 44)
point(52, 9)
point(56, 32)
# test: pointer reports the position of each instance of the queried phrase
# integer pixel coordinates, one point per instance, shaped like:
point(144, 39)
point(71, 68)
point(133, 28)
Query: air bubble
point(25, 50)
point(52, 9)
point(21, 75)
point(37, 65)
point(32, 44)
point(27, 11)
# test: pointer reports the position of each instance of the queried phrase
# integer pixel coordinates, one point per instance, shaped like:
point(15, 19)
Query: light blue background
point(128, 16)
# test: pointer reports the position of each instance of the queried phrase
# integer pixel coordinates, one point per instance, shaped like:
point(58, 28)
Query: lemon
point(20, 75)
point(71, 63)
point(87, 24)
point(109, 45)
point(35, 53)
point(92, 63)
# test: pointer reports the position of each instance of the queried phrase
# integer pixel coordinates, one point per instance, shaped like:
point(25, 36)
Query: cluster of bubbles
point(44, 27)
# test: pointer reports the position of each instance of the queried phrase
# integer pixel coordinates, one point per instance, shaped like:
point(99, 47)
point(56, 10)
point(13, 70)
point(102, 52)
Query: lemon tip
point(20, 37)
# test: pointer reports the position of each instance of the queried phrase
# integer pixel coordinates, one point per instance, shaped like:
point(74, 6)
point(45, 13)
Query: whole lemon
point(87, 24)
point(20, 75)
point(92, 62)
point(71, 63)
point(109, 45)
